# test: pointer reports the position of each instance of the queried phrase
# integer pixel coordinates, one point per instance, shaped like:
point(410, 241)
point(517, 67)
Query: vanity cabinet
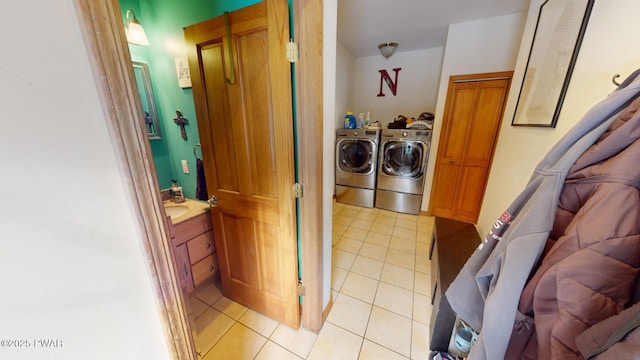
point(194, 250)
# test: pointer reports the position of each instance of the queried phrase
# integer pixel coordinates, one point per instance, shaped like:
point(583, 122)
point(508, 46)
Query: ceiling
point(413, 24)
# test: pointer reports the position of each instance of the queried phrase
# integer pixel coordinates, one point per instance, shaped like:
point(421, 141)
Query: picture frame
point(560, 28)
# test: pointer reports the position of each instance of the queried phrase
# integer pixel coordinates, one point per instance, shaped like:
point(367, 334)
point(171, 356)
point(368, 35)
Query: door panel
point(471, 121)
point(247, 145)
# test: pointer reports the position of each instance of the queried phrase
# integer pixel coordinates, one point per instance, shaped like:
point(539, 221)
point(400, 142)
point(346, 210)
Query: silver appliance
point(356, 164)
point(402, 165)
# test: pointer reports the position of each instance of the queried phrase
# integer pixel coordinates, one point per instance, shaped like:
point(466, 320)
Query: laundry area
point(383, 166)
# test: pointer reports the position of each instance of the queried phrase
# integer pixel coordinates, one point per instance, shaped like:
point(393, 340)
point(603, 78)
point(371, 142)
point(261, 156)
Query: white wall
point(606, 50)
point(482, 46)
point(345, 77)
point(417, 84)
point(72, 264)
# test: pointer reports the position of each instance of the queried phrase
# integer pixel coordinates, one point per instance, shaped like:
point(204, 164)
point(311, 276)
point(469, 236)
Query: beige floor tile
point(338, 275)
point(422, 284)
point(422, 249)
point(361, 224)
point(426, 219)
point(369, 210)
point(392, 214)
point(425, 227)
point(209, 328)
point(398, 243)
point(240, 343)
point(378, 239)
point(422, 309)
point(349, 212)
point(420, 341)
point(373, 351)
point(400, 258)
point(407, 217)
point(259, 323)
point(342, 220)
point(424, 237)
point(373, 251)
point(196, 306)
point(339, 229)
point(297, 341)
point(273, 351)
point(230, 308)
point(407, 224)
point(335, 343)
point(367, 267)
point(349, 245)
point(209, 293)
point(385, 219)
point(390, 330)
point(335, 238)
point(395, 299)
point(350, 313)
point(342, 259)
point(398, 276)
point(355, 233)
point(423, 264)
point(381, 228)
point(368, 216)
point(408, 234)
point(360, 287)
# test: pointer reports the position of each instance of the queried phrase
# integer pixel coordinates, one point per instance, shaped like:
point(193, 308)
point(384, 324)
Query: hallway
point(380, 291)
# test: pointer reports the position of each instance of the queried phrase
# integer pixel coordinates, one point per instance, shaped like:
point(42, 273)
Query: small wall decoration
point(181, 121)
point(392, 84)
point(182, 70)
point(554, 49)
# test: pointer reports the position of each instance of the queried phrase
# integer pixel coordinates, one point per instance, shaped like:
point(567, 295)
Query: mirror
point(141, 71)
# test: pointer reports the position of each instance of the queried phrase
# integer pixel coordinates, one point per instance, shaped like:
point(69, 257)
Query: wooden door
point(243, 106)
point(473, 112)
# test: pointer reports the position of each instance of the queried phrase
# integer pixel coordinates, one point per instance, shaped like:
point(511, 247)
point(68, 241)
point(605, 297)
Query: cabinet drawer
point(201, 246)
point(191, 228)
point(204, 270)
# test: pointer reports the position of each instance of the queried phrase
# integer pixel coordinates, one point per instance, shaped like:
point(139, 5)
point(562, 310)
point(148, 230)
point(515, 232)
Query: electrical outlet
point(185, 167)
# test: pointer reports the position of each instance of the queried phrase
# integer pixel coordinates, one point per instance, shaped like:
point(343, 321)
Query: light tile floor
point(380, 289)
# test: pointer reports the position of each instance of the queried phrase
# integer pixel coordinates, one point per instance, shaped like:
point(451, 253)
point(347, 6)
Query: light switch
point(185, 167)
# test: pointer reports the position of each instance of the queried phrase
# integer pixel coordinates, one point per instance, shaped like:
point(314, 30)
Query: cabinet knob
point(208, 246)
point(211, 268)
point(186, 269)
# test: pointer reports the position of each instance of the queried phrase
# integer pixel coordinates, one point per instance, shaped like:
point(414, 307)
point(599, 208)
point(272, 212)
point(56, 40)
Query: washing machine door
point(404, 158)
point(356, 156)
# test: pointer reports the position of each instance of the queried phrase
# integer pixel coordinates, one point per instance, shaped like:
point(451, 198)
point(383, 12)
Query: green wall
point(163, 21)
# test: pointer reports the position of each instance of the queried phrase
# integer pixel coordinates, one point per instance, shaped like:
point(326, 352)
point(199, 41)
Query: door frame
point(102, 31)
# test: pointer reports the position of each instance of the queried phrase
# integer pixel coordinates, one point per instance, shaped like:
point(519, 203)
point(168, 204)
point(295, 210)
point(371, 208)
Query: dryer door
point(404, 158)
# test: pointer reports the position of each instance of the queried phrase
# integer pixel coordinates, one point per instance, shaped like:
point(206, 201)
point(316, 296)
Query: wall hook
point(613, 79)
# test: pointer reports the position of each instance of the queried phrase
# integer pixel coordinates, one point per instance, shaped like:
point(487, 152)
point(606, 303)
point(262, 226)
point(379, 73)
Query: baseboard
point(325, 312)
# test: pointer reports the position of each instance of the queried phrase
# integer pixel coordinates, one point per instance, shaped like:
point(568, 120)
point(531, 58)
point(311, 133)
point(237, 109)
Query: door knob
point(213, 202)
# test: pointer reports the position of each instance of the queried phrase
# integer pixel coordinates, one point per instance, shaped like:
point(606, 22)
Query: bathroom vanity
point(193, 243)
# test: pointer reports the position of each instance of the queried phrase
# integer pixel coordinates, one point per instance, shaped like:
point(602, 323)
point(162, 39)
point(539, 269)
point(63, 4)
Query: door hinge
point(297, 191)
point(300, 289)
point(293, 55)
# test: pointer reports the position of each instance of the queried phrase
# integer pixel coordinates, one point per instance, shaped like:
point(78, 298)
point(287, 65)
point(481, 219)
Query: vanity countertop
point(193, 208)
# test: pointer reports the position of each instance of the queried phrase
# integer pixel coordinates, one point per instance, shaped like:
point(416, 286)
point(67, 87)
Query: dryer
point(404, 154)
point(356, 164)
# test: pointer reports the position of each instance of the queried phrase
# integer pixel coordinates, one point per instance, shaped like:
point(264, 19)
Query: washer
point(404, 154)
point(356, 164)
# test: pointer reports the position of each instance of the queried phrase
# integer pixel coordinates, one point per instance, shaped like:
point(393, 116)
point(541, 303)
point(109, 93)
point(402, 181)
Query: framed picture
point(554, 49)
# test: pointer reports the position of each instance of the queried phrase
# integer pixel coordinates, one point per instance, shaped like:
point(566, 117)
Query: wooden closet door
point(472, 117)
